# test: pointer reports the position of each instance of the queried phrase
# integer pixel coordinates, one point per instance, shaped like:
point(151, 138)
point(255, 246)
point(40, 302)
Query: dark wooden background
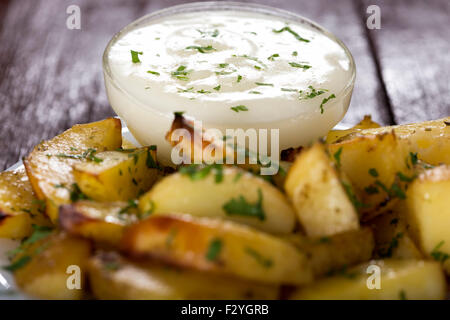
point(50, 76)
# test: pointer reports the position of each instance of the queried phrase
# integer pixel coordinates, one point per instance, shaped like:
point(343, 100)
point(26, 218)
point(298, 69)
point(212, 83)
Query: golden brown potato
point(222, 192)
point(430, 140)
point(328, 254)
point(19, 208)
point(42, 265)
point(217, 246)
point(114, 278)
point(319, 196)
point(120, 176)
point(428, 212)
point(103, 222)
point(378, 167)
point(399, 280)
point(365, 123)
point(49, 165)
point(392, 236)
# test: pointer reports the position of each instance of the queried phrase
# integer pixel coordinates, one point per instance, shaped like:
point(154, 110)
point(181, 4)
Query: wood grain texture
point(51, 78)
point(413, 51)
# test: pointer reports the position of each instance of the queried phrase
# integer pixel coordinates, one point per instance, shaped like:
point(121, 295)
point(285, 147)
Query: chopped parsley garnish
point(438, 255)
point(254, 92)
point(272, 57)
point(76, 194)
point(371, 190)
point(312, 93)
point(153, 72)
point(239, 78)
point(265, 262)
point(245, 56)
point(89, 154)
point(264, 84)
point(181, 73)
point(337, 157)
point(351, 195)
point(239, 108)
point(150, 162)
point(199, 172)
point(402, 295)
point(223, 65)
point(185, 90)
point(324, 240)
point(373, 172)
point(299, 65)
point(413, 157)
point(294, 53)
point(202, 91)
point(404, 177)
point(20, 263)
point(397, 191)
point(213, 34)
point(214, 249)
point(201, 49)
point(111, 266)
point(392, 245)
point(132, 204)
point(295, 34)
point(217, 88)
point(240, 206)
point(135, 56)
point(257, 67)
point(148, 212)
point(325, 100)
point(289, 90)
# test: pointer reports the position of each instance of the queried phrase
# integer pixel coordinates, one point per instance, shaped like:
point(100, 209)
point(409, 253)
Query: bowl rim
point(221, 6)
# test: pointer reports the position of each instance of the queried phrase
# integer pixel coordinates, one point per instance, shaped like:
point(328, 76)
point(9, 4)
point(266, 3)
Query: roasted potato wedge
point(399, 279)
point(428, 212)
point(429, 139)
point(377, 165)
point(328, 254)
point(365, 123)
point(103, 222)
point(114, 278)
point(222, 192)
point(120, 176)
point(318, 194)
point(41, 265)
point(392, 236)
point(217, 246)
point(49, 165)
point(19, 208)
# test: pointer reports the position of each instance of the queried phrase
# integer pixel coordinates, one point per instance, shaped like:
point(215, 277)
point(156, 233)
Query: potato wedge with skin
point(429, 139)
point(115, 278)
point(103, 222)
point(392, 238)
point(365, 123)
point(120, 176)
point(217, 246)
point(221, 192)
point(399, 280)
point(328, 254)
point(40, 269)
point(19, 208)
point(49, 165)
point(428, 212)
point(318, 195)
point(373, 165)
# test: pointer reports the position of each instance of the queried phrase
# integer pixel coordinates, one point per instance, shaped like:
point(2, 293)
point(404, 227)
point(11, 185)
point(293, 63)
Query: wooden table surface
point(51, 77)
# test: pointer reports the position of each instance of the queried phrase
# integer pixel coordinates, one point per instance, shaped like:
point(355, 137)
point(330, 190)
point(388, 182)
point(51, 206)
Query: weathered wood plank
point(413, 47)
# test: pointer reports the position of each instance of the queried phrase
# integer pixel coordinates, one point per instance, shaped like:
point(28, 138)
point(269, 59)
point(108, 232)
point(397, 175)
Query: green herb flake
point(135, 56)
point(181, 73)
point(294, 53)
point(402, 295)
point(352, 196)
point(295, 34)
point(214, 249)
point(386, 253)
point(264, 84)
point(239, 108)
point(337, 157)
point(413, 157)
point(153, 72)
point(200, 49)
point(265, 262)
point(76, 194)
point(217, 88)
point(325, 100)
point(272, 57)
point(223, 65)
point(438, 255)
point(373, 172)
point(132, 204)
point(254, 92)
point(240, 206)
point(239, 78)
point(20, 263)
point(371, 190)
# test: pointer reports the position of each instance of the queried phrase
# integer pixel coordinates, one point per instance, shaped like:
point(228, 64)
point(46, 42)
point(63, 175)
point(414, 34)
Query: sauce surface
point(231, 68)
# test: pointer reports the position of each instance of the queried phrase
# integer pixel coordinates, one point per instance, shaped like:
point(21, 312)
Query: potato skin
point(206, 197)
point(400, 279)
point(115, 278)
point(243, 252)
point(102, 222)
point(45, 275)
point(319, 198)
point(19, 208)
point(122, 175)
point(49, 165)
